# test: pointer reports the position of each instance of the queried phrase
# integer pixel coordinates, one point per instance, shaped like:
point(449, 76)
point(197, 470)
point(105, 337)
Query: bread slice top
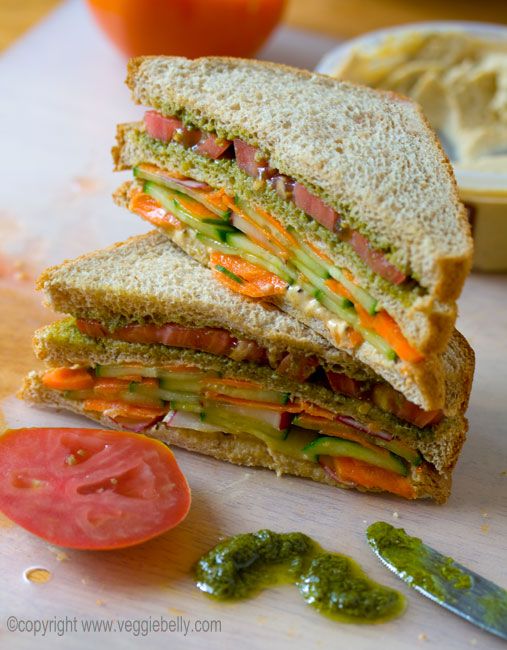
point(149, 277)
point(370, 154)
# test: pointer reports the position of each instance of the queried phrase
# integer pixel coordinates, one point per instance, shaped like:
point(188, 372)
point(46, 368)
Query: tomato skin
point(188, 27)
point(89, 488)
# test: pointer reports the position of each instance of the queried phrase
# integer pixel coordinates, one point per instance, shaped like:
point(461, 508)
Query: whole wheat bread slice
point(369, 154)
point(425, 321)
point(61, 344)
point(241, 449)
point(149, 278)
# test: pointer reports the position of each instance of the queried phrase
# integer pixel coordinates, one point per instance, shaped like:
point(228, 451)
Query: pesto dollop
point(239, 567)
point(416, 563)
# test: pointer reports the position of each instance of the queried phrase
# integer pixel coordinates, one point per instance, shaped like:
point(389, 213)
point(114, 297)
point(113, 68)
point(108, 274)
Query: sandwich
point(334, 202)
point(155, 344)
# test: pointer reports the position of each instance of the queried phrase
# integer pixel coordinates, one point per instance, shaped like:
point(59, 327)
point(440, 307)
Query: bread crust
point(126, 281)
point(254, 98)
point(245, 450)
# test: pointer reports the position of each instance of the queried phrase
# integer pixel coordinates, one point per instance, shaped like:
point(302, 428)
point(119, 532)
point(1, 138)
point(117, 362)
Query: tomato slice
point(316, 208)
point(89, 488)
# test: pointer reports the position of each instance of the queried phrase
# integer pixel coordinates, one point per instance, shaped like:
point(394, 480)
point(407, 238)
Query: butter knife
point(440, 578)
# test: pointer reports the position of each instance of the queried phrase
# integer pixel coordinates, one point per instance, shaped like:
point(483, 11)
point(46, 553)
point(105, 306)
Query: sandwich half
point(332, 201)
point(156, 344)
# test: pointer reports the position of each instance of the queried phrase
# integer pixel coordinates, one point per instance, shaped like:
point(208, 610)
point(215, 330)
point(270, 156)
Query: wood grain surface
point(341, 18)
point(55, 203)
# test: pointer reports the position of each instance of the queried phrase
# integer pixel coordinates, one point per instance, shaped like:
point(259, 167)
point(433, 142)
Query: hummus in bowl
point(457, 71)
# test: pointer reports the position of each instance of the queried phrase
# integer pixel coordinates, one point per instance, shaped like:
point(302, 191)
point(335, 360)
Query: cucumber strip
point(182, 382)
point(348, 314)
point(122, 371)
point(261, 221)
point(157, 393)
point(320, 283)
point(363, 298)
point(400, 449)
point(240, 424)
point(330, 446)
point(248, 249)
point(169, 200)
point(215, 245)
point(161, 179)
point(190, 407)
point(140, 399)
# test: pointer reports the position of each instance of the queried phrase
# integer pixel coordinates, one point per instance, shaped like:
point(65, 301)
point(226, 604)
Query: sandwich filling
point(251, 160)
point(299, 367)
point(251, 253)
point(184, 396)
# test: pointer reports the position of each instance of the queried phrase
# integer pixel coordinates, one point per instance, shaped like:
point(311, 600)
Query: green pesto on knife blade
point(440, 578)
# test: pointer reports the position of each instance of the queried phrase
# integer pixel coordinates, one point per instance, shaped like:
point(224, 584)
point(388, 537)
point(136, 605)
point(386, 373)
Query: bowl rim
point(478, 181)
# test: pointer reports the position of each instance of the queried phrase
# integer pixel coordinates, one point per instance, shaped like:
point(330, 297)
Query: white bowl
point(485, 193)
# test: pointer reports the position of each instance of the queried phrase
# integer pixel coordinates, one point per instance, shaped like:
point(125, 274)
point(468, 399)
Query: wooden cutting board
point(61, 94)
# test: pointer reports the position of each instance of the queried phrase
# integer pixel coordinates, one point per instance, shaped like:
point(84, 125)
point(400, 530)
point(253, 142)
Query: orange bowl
point(188, 27)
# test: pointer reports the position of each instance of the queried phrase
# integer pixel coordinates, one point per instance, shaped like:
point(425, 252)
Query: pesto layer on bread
point(369, 155)
point(61, 344)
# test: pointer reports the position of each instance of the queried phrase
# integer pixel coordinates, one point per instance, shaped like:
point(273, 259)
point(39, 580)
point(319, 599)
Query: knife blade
point(440, 578)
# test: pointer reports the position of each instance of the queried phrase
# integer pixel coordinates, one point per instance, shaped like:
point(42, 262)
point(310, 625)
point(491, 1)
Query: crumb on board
point(100, 602)
point(485, 528)
point(422, 637)
point(395, 515)
point(485, 515)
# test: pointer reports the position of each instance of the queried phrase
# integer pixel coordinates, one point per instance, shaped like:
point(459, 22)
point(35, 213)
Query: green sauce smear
point(243, 565)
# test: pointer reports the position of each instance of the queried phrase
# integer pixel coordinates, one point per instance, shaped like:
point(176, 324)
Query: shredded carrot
point(122, 409)
point(68, 379)
point(218, 198)
point(358, 437)
point(255, 281)
point(277, 247)
point(370, 476)
point(150, 210)
point(355, 339)
point(338, 288)
point(196, 209)
point(316, 411)
point(381, 323)
point(276, 224)
point(389, 330)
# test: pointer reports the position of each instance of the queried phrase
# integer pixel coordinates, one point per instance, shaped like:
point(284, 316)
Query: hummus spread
point(459, 79)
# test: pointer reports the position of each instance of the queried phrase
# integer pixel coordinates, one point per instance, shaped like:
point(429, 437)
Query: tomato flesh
point(90, 488)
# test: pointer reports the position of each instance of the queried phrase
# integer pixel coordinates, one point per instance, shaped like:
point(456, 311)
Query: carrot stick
point(369, 476)
point(68, 379)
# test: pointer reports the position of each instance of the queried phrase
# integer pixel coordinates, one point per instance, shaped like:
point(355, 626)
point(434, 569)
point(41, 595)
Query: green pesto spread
point(241, 566)
point(415, 563)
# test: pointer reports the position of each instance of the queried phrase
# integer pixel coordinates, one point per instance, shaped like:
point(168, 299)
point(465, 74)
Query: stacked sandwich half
point(295, 307)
